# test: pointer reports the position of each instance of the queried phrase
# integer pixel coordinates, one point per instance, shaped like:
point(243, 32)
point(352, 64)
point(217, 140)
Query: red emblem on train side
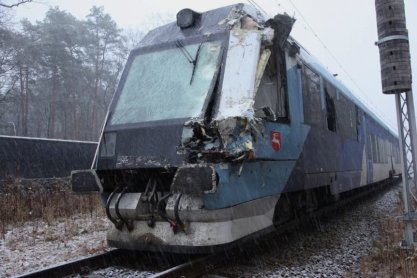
point(275, 139)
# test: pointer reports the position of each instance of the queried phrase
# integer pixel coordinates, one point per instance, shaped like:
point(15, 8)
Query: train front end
point(188, 159)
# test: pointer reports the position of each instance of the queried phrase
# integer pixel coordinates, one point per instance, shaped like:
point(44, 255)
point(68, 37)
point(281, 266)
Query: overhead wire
point(366, 100)
point(253, 3)
point(339, 64)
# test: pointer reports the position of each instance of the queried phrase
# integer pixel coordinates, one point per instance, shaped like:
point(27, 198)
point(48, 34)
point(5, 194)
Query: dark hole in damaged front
point(194, 180)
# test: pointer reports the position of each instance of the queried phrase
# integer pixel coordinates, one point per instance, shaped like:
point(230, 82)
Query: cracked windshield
point(164, 91)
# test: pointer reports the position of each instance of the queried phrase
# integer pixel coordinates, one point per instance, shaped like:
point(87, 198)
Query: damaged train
point(223, 127)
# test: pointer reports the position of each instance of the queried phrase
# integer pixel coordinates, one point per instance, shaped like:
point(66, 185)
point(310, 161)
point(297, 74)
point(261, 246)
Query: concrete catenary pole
point(394, 51)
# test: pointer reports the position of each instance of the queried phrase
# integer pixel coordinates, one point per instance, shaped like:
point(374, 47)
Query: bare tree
point(14, 4)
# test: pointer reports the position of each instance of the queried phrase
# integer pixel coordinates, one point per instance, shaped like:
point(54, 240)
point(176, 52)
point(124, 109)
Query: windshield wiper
point(184, 51)
point(195, 62)
point(188, 56)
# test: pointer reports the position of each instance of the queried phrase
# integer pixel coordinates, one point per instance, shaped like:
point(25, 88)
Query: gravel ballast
point(334, 249)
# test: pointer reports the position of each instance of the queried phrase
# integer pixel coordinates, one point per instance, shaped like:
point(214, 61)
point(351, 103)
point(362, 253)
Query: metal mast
point(394, 53)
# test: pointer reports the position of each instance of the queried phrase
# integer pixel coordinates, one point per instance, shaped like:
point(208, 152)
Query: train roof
point(312, 62)
point(210, 22)
point(219, 20)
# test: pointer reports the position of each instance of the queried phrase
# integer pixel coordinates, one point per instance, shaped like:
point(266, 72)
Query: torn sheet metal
point(231, 133)
point(229, 139)
point(254, 13)
point(237, 136)
point(237, 95)
point(196, 138)
point(263, 61)
point(233, 18)
point(240, 12)
point(282, 24)
point(249, 23)
point(128, 161)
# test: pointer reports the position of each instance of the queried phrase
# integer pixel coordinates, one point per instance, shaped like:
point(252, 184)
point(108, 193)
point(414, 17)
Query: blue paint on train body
point(269, 173)
point(257, 180)
point(307, 153)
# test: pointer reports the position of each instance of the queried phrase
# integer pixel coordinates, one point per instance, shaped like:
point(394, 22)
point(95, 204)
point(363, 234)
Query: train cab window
point(311, 97)
point(330, 94)
point(271, 97)
point(175, 90)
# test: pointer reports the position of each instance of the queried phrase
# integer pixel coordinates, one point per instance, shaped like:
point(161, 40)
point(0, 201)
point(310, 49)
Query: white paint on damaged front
point(238, 89)
point(191, 209)
point(199, 233)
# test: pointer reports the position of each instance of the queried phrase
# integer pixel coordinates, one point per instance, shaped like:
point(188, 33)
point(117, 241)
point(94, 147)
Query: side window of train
point(271, 98)
point(311, 97)
point(375, 151)
point(397, 155)
point(358, 121)
point(384, 151)
point(346, 117)
point(380, 150)
point(330, 96)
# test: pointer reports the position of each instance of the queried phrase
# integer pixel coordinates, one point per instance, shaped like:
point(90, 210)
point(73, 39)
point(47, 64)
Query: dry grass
point(388, 259)
point(45, 200)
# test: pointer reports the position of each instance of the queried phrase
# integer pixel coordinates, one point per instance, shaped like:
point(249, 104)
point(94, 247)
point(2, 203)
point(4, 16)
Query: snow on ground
point(35, 244)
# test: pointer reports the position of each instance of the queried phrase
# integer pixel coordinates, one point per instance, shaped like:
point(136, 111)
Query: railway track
point(182, 265)
point(81, 266)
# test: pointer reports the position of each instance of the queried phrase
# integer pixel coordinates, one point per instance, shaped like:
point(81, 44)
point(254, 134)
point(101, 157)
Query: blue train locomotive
point(221, 127)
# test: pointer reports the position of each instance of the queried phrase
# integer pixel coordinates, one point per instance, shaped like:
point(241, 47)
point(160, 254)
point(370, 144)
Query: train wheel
point(284, 211)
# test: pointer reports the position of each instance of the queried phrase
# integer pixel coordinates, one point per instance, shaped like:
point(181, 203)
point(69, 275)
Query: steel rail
point(191, 269)
point(83, 265)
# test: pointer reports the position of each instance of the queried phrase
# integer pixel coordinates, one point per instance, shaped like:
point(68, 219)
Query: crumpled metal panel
point(238, 90)
point(238, 135)
point(283, 23)
point(234, 129)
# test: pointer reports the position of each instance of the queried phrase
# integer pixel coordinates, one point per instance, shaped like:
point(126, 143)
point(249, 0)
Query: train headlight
point(187, 18)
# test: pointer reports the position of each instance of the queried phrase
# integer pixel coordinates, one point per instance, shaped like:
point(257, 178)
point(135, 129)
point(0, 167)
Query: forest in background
point(58, 75)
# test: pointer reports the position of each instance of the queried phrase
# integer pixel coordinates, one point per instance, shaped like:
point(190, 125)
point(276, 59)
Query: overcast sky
point(347, 29)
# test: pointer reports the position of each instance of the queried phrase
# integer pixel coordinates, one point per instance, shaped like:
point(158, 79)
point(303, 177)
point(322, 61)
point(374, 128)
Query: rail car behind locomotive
point(222, 125)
